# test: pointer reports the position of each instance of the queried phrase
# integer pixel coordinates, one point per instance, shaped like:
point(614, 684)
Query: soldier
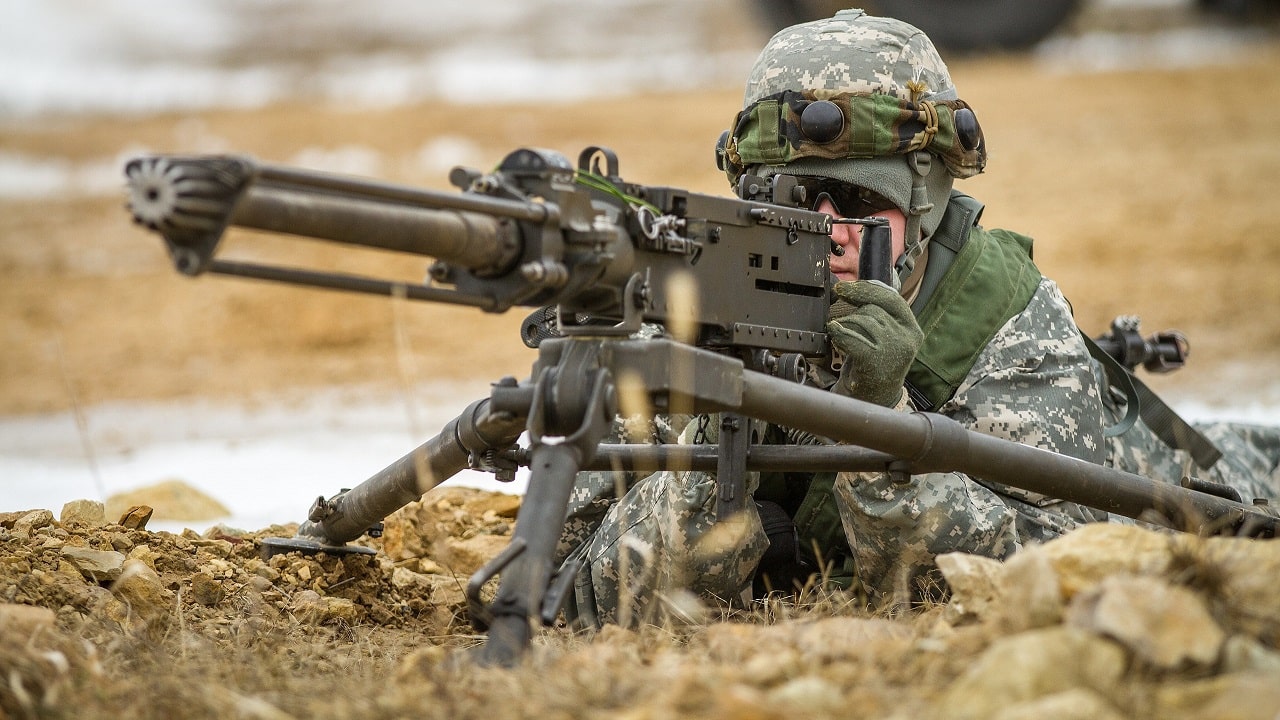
point(863, 111)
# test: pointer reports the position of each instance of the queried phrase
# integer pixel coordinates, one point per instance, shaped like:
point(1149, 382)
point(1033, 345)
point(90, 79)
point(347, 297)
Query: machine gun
point(607, 256)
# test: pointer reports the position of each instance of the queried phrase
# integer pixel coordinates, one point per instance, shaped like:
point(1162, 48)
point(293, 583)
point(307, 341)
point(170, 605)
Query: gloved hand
point(873, 327)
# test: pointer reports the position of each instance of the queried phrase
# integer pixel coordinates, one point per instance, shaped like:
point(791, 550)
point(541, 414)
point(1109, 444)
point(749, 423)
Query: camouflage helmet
point(864, 100)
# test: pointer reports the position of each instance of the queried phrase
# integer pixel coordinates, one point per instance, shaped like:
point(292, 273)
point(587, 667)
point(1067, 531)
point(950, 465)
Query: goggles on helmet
point(780, 128)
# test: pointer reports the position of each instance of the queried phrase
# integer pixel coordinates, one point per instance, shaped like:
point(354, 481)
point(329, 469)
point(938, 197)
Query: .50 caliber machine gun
point(741, 284)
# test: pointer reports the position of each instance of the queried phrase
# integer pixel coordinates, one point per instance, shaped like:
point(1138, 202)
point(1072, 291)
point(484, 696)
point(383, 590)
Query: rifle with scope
point(741, 286)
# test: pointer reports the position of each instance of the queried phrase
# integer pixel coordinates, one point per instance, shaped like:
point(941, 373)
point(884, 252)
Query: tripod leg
point(525, 580)
point(573, 404)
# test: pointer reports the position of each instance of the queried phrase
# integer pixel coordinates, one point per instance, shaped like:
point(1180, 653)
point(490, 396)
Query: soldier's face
point(849, 237)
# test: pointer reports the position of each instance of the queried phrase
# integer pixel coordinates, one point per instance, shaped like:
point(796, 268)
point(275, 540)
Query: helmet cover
point(894, 98)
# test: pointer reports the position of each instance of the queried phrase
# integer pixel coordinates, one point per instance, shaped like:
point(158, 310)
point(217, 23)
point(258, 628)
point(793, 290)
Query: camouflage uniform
point(643, 540)
point(660, 539)
point(1250, 462)
point(1033, 384)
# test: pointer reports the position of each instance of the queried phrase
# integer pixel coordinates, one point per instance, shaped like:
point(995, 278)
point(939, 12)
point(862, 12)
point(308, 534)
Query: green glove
point(873, 327)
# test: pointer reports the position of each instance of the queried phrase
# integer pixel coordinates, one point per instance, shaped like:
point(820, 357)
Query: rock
point(338, 609)
point(739, 701)
point(730, 642)
point(1032, 665)
point(807, 696)
point(1074, 704)
point(225, 532)
point(1242, 696)
point(427, 566)
point(1237, 573)
point(402, 578)
point(402, 537)
point(1083, 557)
point(502, 505)
point(7, 519)
point(835, 638)
point(32, 521)
point(120, 541)
point(1242, 654)
point(83, 513)
point(97, 565)
point(265, 571)
point(443, 590)
point(1166, 627)
point(24, 620)
point(136, 517)
point(1032, 593)
point(772, 668)
point(1022, 593)
point(313, 608)
point(205, 590)
point(145, 554)
point(465, 556)
point(976, 584)
point(418, 528)
point(171, 500)
point(1242, 573)
point(141, 589)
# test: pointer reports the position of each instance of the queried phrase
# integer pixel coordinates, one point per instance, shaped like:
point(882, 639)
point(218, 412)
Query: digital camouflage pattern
point(1249, 462)
point(1032, 384)
point(853, 53)
point(642, 552)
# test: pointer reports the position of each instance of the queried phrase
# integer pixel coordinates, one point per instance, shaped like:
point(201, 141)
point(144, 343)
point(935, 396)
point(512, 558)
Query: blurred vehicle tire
point(957, 25)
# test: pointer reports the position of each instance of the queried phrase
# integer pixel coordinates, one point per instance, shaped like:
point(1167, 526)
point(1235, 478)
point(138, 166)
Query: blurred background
point(1132, 138)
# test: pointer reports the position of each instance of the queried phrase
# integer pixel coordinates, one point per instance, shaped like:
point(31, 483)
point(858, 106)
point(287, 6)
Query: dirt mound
point(171, 500)
point(1107, 622)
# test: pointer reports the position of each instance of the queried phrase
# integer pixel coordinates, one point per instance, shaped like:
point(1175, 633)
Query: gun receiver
point(536, 232)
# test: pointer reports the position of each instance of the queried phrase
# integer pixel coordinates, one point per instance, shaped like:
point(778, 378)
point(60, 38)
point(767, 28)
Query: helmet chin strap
point(920, 163)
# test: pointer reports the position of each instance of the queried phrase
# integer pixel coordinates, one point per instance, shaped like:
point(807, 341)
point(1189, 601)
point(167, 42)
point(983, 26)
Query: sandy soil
point(112, 620)
point(1149, 192)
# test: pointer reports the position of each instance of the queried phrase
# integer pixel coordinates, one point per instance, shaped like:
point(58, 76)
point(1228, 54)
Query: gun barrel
point(192, 200)
point(936, 443)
